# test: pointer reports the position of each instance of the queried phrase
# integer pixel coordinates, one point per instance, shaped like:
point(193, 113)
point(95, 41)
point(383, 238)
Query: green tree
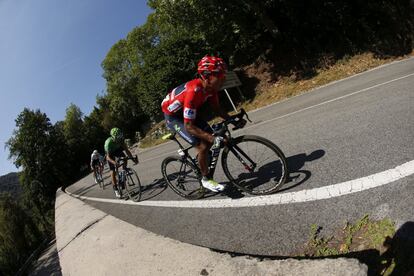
point(74, 133)
point(39, 149)
point(73, 125)
point(289, 36)
point(239, 30)
point(18, 235)
point(122, 100)
point(95, 132)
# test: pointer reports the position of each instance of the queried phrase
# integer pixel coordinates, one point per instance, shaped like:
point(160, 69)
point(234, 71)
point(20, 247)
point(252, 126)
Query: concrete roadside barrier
point(90, 242)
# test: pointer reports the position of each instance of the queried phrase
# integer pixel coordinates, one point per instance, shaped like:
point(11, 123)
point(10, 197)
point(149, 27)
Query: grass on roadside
point(287, 87)
point(291, 86)
point(361, 235)
point(371, 241)
point(153, 137)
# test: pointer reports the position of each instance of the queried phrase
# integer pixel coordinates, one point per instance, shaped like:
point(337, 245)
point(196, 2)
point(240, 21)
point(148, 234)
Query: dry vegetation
point(373, 242)
point(285, 87)
point(270, 91)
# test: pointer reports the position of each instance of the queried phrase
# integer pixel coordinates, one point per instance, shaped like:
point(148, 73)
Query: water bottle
point(216, 149)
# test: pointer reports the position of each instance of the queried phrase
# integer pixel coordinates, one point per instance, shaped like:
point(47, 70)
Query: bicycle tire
point(132, 177)
point(119, 190)
point(182, 188)
point(247, 181)
point(100, 180)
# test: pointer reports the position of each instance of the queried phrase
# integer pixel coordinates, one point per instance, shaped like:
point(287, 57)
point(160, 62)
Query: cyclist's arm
point(125, 147)
point(128, 152)
point(215, 105)
point(191, 104)
point(109, 159)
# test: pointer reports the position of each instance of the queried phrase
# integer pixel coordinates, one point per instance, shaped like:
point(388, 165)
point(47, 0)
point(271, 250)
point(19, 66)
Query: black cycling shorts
point(95, 163)
point(118, 153)
point(176, 124)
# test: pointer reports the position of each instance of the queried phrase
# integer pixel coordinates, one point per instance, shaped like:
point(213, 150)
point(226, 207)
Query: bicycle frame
point(183, 152)
point(220, 129)
point(121, 173)
point(122, 162)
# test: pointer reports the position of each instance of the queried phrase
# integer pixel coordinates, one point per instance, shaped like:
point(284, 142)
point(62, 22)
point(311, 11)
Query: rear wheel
point(99, 178)
point(255, 165)
point(182, 177)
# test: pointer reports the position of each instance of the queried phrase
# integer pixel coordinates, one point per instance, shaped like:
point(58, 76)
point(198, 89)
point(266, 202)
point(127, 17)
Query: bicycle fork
point(236, 150)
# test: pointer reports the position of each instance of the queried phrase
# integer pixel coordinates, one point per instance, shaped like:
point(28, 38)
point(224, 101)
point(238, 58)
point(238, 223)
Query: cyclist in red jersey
point(180, 108)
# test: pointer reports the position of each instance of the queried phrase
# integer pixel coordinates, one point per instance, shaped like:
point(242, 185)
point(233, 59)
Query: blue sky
point(51, 53)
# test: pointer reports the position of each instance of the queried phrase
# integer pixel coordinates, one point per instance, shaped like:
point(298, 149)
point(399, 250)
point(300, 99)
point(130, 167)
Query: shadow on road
point(267, 172)
point(295, 163)
point(83, 190)
point(263, 175)
point(156, 187)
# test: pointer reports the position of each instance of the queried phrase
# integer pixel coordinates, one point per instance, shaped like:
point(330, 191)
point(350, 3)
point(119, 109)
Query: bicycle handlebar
point(218, 128)
point(122, 160)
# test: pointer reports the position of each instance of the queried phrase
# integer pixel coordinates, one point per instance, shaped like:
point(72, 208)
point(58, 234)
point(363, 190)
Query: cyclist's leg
point(94, 165)
point(112, 168)
point(113, 178)
point(203, 152)
point(177, 125)
point(117, 154)
point(202, 149)
point(113, 174)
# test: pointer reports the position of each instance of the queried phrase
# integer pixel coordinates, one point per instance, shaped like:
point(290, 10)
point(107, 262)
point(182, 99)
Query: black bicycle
point(252, 163)
point(98, 177)
point(128, 180)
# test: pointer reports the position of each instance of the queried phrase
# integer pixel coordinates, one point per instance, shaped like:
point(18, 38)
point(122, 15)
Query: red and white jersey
point(187, 99)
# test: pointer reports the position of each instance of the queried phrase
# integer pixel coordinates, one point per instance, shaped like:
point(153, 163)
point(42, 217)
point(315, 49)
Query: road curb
point(90, 242)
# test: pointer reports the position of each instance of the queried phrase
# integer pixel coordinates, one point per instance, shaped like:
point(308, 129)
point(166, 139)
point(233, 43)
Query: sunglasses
point(219, 75)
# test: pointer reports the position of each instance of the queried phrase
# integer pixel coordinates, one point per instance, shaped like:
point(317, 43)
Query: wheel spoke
point(270, 171)
point(182, 177)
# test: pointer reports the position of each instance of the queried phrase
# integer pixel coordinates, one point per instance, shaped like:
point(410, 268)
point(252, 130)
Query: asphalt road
point(347, 130)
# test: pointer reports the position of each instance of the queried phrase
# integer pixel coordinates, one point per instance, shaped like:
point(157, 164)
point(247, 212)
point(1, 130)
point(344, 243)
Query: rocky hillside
point(10, 183)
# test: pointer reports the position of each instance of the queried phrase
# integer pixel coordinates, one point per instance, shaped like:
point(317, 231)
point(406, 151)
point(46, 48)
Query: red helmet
point(211, 65)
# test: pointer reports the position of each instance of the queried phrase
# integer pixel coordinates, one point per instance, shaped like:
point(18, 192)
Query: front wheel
point(133, 184)
point(99, 178)
point(255, 165)
point(182, 177)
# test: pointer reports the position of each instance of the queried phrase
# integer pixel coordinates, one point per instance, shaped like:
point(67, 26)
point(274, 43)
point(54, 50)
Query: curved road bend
point(356, 134)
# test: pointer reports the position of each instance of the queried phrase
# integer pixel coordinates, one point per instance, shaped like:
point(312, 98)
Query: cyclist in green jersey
point(115, 147)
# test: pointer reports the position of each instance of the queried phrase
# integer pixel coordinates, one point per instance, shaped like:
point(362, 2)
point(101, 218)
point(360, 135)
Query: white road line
point(329, 101)
point(303, 109)
point(326, 192)
point(307, 92)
